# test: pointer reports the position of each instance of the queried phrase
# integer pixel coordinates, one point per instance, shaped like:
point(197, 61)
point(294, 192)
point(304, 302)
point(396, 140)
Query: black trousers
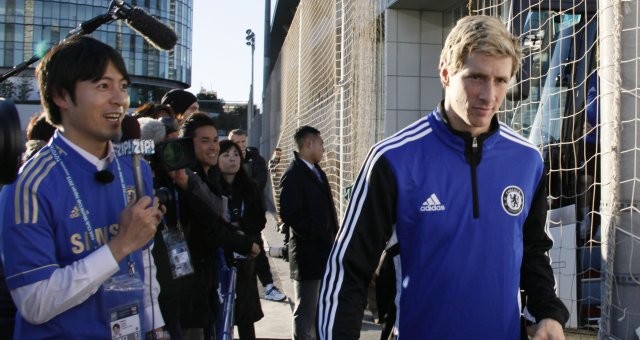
point(263, 270)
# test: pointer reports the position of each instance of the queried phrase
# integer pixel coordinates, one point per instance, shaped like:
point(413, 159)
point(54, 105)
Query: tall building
point(29, 27)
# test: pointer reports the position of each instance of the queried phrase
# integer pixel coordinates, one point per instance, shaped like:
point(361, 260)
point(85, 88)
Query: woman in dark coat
point(246, 211)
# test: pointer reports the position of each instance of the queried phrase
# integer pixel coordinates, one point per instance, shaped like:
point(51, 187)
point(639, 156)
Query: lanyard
point(76, 195)
point(175, 197)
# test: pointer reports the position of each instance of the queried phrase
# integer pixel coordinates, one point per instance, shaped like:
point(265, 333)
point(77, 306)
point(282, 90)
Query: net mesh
point(329, 66)
point(579, 56)
point(548, 105)
point(581, 59)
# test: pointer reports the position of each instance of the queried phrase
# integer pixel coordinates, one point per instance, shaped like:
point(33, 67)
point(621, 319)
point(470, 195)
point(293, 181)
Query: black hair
point(302, 133)
point(195, 121)
point(227, 144)
point(38, 133)
point(241, 180)
point(39, 129)
point(80, 58)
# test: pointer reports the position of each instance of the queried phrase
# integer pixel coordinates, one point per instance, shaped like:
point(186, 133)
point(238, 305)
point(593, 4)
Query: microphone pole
point(86, 27)
point(19, 68)
point(156, 33)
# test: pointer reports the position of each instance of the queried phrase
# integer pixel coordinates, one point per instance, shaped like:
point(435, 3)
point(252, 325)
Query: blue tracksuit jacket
point(468, 215)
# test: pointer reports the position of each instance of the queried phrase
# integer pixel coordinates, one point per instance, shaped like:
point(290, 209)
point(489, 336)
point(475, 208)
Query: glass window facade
point(27, 24)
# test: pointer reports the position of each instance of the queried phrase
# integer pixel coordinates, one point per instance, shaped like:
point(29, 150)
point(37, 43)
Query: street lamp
point(251, 41)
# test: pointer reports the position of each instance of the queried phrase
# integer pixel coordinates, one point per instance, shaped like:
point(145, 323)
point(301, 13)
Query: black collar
point(495, 126)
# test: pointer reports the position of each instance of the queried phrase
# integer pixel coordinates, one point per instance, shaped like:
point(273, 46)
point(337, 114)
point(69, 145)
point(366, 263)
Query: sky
point(221, 60)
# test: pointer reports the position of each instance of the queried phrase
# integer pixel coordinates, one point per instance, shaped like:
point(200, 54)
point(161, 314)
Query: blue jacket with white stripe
point(468, 215)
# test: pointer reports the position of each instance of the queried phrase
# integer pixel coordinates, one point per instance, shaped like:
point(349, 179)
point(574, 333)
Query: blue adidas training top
point(468, 215)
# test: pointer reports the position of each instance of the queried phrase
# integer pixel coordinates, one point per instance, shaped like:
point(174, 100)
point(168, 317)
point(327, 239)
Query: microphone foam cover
point(155, 32)
point(130, 128)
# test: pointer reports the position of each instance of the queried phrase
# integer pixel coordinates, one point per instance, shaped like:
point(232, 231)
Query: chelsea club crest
point(513, 200)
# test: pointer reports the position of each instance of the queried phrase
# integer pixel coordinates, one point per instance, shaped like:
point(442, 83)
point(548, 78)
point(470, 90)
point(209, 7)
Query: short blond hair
point(482, 34)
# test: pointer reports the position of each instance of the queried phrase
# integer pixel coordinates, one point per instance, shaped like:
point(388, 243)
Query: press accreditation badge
point(123, 301)
point(179, 258)
point(125, 323)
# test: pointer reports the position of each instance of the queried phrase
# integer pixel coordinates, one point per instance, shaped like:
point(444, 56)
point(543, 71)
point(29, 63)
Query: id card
point(125, 323)
point(123, 301)
point(178, 251)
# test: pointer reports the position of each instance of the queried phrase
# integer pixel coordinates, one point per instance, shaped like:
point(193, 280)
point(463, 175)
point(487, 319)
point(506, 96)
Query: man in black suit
point(306, 206)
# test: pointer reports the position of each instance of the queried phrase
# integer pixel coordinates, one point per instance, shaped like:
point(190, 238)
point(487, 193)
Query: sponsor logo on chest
point(432, 203)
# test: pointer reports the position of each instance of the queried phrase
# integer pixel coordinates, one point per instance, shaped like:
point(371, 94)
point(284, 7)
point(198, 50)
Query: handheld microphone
point(129, 129)
point(131, 144)
point(156, 33)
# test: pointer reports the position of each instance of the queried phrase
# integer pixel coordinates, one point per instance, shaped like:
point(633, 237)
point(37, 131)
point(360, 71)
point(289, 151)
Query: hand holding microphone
point(137, 226)
point(139, 220)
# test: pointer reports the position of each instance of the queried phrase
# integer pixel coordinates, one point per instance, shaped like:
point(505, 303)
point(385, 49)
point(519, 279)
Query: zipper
point(474, 177)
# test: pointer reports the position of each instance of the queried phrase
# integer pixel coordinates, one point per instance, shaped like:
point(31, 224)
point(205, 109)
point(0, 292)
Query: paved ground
point(276, 323)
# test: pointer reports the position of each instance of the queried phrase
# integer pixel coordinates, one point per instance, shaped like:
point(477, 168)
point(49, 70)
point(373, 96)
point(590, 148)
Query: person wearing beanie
point(182, 102)
point(155, 111)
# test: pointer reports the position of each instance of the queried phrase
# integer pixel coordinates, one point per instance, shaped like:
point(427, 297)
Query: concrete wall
point(413, 40)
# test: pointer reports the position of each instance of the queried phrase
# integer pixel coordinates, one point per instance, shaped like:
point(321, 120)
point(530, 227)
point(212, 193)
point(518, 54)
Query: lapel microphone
point(104, 176)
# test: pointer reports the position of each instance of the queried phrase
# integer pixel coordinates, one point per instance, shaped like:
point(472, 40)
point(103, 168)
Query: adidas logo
point(432, 204)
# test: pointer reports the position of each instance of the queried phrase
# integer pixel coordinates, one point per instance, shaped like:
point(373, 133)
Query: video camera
point(170, 155)
point(11, 141)
point(173, 154)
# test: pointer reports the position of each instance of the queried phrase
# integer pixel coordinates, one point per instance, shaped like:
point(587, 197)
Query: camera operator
point(11, 150)
point(152, 129)
point(188, 302)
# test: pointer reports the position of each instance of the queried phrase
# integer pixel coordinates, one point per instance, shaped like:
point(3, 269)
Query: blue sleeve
point(28, 239)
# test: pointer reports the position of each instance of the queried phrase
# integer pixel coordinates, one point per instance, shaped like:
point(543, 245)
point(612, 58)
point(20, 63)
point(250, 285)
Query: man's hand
point(255, 250)
point(546, 329)
point(180, 178)
point(159, 334)
point(137, 226)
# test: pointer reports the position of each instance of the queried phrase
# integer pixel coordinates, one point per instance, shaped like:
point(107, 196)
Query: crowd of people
point(81, 238)
point(92, 250)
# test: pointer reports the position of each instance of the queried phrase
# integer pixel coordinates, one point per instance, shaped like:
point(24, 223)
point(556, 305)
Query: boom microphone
point(151, 29)
point(154, 32)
